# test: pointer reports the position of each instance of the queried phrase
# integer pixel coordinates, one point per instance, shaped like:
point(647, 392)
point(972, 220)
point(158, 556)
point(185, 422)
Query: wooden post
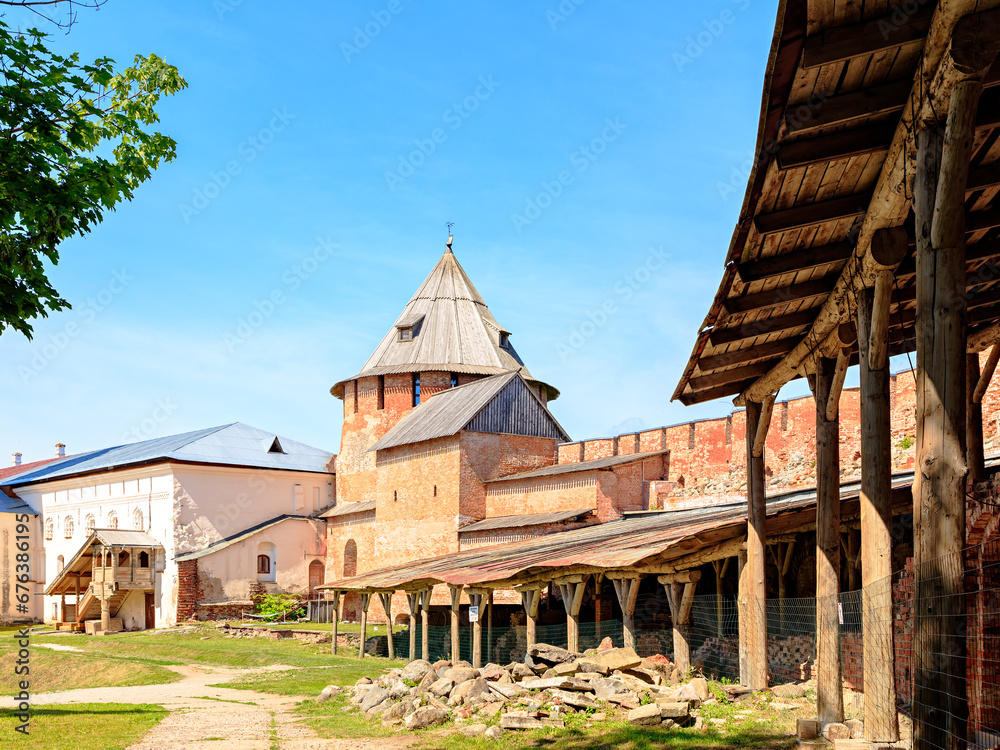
point(476, 599)
point(489, 626)
point(572, 588)
point(829, 692)
point(366, 598)
point(456, 645)
point(940, 705)
point(386, 598)
point(753, 591)
point(627, 591)
point(598, 580)
point(530, 598)
point(76, 616)
point(335, 618)
point(680, 595)
point(720, 566)
point(413, 602)
point(974, 452)
point(425, 604)
point(881, 723)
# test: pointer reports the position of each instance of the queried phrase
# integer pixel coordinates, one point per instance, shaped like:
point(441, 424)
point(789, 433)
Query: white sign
point(840, 611)
point(473, 614)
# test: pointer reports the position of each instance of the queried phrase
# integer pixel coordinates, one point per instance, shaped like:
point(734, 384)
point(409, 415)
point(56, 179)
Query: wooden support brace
point(366, 598)
point(572, 589)
point(987, 374)
point(680, 596)
point(531, 596)
point(627, 591)
point(386, 598)
point(837, 386)
point(760, 436)
point(456, 643)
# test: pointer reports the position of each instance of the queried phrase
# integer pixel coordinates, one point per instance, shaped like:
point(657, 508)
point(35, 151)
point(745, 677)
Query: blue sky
point(591, 154)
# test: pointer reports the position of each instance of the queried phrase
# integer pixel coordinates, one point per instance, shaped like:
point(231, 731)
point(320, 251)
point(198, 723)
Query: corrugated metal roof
point(234, 444)
point(349, 509)
point(597, 463)
point(605, 546)
point(13, 505)
point(230, 540)
point(448, 412)
point(458, 332)
point(527, 519)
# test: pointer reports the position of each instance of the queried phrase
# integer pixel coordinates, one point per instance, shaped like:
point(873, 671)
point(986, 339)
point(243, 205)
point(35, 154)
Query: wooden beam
point(413, 601)
point(737, 374)
point(763, 425)
point(829, 691)
point(837, 384)
point(386, 598)
point(530, 597)
point(791, 321)
point(572, 589)
point(753, 591)
point(846, 144)
point(780, 295)
point(811, 214)
point(799, 260)
point(476, 598)
point(456, 643)
point(880, 99)
point(768, 350)
point(366, 598)
point(843, 43)
point(983, 382)
point(425, 605)
point(974, 450)
point(680, 595)
point(627, 591)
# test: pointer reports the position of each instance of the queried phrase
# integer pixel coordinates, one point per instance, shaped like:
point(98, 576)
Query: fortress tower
point(445, 337)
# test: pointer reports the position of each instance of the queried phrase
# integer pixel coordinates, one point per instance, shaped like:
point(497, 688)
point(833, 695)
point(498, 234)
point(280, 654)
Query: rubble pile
point(550, 683)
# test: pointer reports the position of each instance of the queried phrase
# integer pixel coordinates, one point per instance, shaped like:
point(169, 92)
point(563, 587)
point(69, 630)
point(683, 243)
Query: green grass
point(330, 721)
point(342, 628)
point(81, 726)
point(310, 681)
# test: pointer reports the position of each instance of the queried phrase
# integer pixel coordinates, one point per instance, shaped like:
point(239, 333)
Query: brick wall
point(187, 589)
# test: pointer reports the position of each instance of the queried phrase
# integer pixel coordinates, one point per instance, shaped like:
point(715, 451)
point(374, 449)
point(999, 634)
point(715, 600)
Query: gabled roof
point(455, 409)
point(80, 564)
point(577, 466)
point(11, 471)
point(238, 537)
point(349, 509)
point(456, 333)
point(235, 444)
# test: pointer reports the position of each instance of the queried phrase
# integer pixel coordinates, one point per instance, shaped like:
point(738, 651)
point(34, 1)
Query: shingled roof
point(452, 331)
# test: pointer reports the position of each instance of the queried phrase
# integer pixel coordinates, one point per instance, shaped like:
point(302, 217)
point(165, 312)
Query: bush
point(276, 604)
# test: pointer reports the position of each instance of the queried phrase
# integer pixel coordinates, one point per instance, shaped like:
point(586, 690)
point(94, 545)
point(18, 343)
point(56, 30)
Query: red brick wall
point(187, 589)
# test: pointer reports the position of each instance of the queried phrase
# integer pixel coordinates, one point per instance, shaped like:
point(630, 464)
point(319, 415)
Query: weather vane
point(450, 224)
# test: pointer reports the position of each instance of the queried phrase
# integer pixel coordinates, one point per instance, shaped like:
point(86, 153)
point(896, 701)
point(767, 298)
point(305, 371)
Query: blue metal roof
point(235, 444)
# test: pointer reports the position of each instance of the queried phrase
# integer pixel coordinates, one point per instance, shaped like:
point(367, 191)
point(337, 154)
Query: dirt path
point(233, 719)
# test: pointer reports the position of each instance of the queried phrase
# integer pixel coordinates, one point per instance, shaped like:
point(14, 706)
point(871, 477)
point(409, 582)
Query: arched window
point(50, 529)
point(90, 525)
point(138, 520)
point(316, 574)
point(143, 559)
point(60, 562)
point(112, 520)
point(68, 527)
point(350, 558)
point(267, 562)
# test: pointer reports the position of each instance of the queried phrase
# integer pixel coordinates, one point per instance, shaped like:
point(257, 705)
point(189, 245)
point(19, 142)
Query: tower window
point(504, 340)
point(416, 389)
point(406, 334)
point(381, 392)
point(454, 380)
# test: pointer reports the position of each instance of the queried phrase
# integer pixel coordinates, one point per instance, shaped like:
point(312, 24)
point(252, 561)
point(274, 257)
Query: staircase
point(90, 604)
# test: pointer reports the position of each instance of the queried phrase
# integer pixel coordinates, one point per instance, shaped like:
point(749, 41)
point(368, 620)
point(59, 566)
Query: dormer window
point(409, 327)
point(504, 340)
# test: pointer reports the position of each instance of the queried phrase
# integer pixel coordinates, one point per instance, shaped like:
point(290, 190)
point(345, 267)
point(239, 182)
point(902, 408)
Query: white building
point(232, 507)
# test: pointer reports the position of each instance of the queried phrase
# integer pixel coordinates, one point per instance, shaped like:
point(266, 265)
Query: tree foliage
point(75, 140)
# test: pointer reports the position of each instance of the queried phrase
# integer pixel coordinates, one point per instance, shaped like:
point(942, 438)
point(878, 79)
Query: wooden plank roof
point(846, 85)
point(453, 331)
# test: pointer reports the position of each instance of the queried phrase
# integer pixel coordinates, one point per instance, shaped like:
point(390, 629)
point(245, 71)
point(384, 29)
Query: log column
point(721, 567)
point(627, 590)
point(386, 598)
point(413, 602)
point(335, 620)
point(571, 588)
point(829, 692)
point(753, 590)
point(477, 598)
point(881, 724)
point(456, 643)
point(976, 384)
point(530, 598)
point(366, 599)
point(680, 595)
point(940, 706)
point(425, 605)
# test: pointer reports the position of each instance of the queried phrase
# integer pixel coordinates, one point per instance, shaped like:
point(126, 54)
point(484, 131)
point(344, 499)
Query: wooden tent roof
point(846, 86)
point(453, 331)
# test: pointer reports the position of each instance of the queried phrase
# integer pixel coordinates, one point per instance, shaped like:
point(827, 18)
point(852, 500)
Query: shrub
point(276, 604)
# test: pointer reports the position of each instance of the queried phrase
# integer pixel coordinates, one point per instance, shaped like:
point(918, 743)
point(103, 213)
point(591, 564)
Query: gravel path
point(243, 719)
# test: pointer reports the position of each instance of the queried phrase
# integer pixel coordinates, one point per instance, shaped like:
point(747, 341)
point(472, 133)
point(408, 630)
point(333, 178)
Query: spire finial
point(451, 235)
